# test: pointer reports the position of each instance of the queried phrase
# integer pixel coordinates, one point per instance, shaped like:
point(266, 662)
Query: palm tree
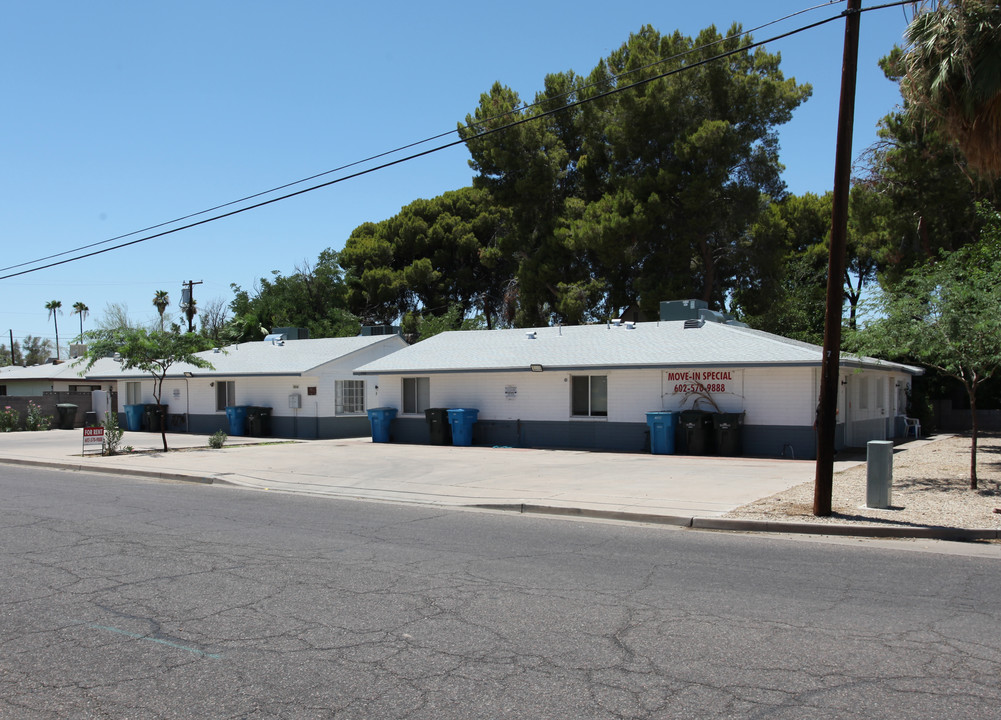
point(80, 309)
point(189, 312)
point(161, 300)
point(953, 71)
point(53, 307)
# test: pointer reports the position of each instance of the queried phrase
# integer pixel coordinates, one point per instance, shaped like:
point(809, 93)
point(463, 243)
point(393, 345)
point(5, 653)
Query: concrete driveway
point(655, 485)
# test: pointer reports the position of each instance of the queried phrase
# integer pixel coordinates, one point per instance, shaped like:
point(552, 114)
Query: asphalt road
point(128, 598)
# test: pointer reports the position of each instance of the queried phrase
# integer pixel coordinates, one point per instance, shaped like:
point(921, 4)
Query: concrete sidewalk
point(681, 490)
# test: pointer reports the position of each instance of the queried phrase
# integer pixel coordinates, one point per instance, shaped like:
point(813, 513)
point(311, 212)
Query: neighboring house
point(50, 384)
point(35, 380)
point(308, 385)
point(591, 386)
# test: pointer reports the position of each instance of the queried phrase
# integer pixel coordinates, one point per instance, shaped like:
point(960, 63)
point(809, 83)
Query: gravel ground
point(931, 487)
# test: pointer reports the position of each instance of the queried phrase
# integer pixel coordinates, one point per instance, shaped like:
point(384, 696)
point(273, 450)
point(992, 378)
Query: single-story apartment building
point(308, 385)
point(591, 386)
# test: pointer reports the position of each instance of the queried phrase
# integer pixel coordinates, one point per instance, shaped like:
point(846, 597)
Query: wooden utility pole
point(188, 300)
point(830, 372)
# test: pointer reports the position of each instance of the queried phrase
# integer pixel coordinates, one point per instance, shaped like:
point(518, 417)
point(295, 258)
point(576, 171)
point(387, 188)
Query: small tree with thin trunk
point(946, 315)
point(152, 351)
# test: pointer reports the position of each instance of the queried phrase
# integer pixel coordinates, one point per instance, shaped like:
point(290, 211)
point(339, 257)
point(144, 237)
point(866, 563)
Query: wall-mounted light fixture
point(844, 381)
point(536, 367)
point(188, 374)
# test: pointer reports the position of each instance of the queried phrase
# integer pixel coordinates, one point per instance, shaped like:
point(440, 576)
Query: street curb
point(693, 523)
point(759, 526)
point(525, 508)
point(153, 474)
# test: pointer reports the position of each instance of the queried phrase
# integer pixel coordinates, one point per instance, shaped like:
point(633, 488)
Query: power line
point(563, 96)
point(485, 133)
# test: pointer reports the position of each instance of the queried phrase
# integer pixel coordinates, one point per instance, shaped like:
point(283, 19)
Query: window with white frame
point(881, 394)
point(225, 394)
point(349, 397)
point(133, 393)
point(589, 396)
point(416, 395)
point(863, 393)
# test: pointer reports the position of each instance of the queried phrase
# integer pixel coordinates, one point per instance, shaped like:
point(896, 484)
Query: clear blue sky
point(121, 115)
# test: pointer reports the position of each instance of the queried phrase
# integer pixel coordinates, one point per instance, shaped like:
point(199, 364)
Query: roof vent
point(630, 325)
point(694, 324)
point(530, 335)
point(616, 321)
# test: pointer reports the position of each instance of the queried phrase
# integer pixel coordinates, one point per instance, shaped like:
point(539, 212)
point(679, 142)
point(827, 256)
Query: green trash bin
point(695, 432)
point(728, 430)
point(438, 426)
point(152, 418)
point(258, 421)
point(65, 416)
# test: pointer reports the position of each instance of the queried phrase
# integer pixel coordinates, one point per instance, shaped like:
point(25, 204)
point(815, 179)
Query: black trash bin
point(258, 421)
point(90, 419)
point(438, 426)
point(695, 432)
point(152, 418)
point(65, 415)
point(728, 427)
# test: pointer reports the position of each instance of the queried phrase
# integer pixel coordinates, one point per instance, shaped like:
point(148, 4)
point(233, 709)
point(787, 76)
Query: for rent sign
point(703, 381)
point(93, 436)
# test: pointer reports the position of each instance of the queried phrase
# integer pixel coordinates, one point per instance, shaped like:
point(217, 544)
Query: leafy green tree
point(7, 357)
point(952, 72)
point(35, 350)
point(152, 351)
point(944, 314)
point(423, 327)
point(313, 297)
point(644, 194)
point(927, 193)
point(53, 307)
point(783, 287)
point(430, 256)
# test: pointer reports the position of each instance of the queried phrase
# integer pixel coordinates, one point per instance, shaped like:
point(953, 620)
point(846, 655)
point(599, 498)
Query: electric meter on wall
point(295, 401)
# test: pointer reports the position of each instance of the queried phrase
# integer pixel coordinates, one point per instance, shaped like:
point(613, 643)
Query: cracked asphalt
point(136, 598)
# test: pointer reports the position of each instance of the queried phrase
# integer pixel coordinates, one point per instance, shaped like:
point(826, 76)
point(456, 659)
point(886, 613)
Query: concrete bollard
point(879, 473)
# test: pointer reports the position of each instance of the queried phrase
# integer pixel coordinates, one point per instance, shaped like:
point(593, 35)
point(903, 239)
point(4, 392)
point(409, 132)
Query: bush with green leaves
point(217, 439)
point(9, 420)
point(112, 434)
point(36, 419)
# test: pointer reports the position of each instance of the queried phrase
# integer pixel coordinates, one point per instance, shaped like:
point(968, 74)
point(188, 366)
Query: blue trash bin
point(237, 415)
point(134, 417)
point(380, 419)
point(661, 432)
point(461, 420)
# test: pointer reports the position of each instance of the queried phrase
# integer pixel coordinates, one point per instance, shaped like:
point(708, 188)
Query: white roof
point(653, 344)
point(291, 357)
point(63, 371)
